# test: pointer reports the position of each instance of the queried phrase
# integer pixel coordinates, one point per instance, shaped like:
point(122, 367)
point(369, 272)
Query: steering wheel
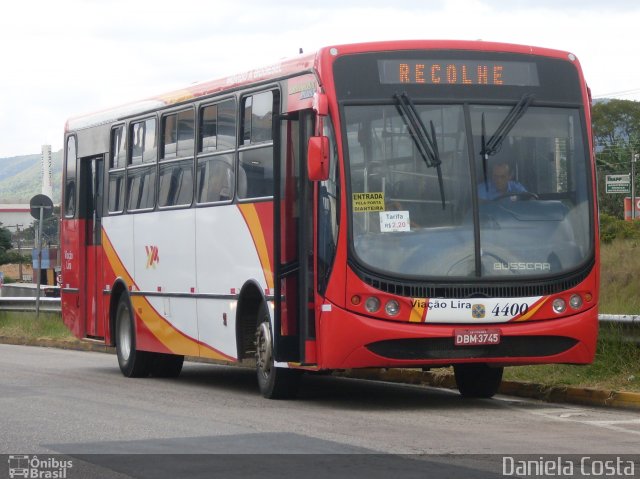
point(520, 195)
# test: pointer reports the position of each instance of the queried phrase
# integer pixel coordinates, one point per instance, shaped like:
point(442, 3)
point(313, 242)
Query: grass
point(617, 362)
point(620, 277)
point(616, 366)
point(26, 325)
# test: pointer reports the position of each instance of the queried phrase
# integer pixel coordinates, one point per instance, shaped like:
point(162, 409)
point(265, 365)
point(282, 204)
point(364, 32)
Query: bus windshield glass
point(517, 209)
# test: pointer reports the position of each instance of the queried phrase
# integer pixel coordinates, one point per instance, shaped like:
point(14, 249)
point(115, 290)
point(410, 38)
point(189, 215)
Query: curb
point(71, 344)
point(558, 394)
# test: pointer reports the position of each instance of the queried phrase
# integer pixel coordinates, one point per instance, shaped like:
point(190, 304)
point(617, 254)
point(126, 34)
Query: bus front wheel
point(274, 382)
point(133, 363)
point(477, 380)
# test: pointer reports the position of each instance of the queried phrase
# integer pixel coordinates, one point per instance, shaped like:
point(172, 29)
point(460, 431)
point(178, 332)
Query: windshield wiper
point(424, 139)
point(492, 146)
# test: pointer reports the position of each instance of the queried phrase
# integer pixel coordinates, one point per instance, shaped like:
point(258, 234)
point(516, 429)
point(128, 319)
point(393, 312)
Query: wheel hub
point(125, 339)
point(264, 348)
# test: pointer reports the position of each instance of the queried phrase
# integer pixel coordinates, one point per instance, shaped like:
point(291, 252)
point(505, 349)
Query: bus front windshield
point(524, 169)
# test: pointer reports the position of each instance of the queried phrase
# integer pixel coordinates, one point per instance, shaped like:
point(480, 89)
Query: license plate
point(476, 337)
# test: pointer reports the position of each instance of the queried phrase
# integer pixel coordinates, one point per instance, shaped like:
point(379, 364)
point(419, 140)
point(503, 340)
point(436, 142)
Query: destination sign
point(458, 72)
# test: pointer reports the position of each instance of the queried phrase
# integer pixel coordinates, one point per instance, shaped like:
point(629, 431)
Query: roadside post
point(41, 208)
point(634, 158)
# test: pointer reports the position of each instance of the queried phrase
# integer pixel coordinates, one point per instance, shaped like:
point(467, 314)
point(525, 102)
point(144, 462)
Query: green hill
point(20, 178)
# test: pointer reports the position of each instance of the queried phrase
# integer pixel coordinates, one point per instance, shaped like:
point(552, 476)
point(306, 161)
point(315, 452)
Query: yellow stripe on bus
point(176, 97)
point(417, 311)
point(531, 311)
point(253, 222)
point(174, 340)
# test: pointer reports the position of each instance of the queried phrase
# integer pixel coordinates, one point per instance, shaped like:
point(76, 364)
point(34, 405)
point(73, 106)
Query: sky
point(63, 58)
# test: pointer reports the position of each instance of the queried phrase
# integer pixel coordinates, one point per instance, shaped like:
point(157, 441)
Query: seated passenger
point(500, 184)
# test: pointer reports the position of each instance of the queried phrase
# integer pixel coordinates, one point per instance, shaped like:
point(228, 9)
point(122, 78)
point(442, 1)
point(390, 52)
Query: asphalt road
point(77, 403)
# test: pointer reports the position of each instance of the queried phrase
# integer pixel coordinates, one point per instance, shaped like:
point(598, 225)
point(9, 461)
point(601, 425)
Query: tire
point(274, 382)
point(133, 363)
point(166, 365)
point(477, 380)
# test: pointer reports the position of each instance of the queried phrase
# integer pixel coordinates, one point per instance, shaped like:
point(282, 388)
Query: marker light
point(356, 300)
point(372, 304)
point(588, 297)
point(559, 305)
point(575, 301)
point(392, 307)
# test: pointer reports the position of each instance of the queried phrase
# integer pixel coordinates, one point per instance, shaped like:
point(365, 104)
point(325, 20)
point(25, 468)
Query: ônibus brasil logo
point(34, 467)
point(152, 256)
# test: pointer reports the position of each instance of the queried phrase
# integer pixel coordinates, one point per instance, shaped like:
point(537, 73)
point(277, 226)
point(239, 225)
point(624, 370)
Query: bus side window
point(175, 186)
point(117, 161)
point(143, 142)
point(186, 134)
point(70, 178)
point(208, 129)
point(142, 189)
point(170, 136)
point(217, 136)
point(256, 154)
point(116, 191)
point(215, 179)
point(141, 179)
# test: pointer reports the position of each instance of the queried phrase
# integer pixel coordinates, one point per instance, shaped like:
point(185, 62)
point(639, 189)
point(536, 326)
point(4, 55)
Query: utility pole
point(634, 158)
point(41, 207)
point(19, 252)
point(17, 227)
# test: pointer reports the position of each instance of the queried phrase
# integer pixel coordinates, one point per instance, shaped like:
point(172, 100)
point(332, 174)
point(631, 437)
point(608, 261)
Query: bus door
point(294, 321)
point(91, 204)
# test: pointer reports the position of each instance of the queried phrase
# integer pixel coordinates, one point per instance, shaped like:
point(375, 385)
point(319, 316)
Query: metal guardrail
point(53, 305)
point(619, 318)
point(47, 305)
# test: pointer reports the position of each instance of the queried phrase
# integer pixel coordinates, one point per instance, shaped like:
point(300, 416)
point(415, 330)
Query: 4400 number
point(510, 309)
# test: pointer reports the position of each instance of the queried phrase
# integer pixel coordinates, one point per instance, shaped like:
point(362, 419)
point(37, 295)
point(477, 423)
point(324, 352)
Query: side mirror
point(318, 158)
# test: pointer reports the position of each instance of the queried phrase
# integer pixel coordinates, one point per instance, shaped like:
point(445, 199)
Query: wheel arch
point(119, 288)
point(250, 300)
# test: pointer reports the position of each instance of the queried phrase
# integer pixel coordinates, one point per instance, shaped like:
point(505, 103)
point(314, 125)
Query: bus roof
point(288, 67)
point(282, 69)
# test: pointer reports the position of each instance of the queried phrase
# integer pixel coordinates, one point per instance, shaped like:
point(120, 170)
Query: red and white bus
point(342, 209)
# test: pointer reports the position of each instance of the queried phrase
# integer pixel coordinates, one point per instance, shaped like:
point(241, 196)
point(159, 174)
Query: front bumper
point(348, 340)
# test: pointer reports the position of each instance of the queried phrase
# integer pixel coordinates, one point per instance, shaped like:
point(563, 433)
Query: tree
point(616, 122)
point(5, 239)
point(50, 230)
point(616, 128)
point(6, 256)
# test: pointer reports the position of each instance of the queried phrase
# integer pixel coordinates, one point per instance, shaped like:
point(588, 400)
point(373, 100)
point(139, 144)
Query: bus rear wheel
point(274, 382)
point(133, 363)
point(477, 380)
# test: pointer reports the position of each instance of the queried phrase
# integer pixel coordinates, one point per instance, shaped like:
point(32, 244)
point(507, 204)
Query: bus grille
point(443, 348)
point(459, 290)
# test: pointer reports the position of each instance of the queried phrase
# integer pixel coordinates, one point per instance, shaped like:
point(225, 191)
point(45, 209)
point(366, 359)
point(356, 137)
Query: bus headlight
point(392, 307)
point(559, 305)
point(372, 304)
point(575, 301)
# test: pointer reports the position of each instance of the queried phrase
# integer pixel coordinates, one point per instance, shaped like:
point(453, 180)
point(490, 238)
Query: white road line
point(580, 415)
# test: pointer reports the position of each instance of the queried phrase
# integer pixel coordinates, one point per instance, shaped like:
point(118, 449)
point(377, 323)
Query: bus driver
point(500, 184)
